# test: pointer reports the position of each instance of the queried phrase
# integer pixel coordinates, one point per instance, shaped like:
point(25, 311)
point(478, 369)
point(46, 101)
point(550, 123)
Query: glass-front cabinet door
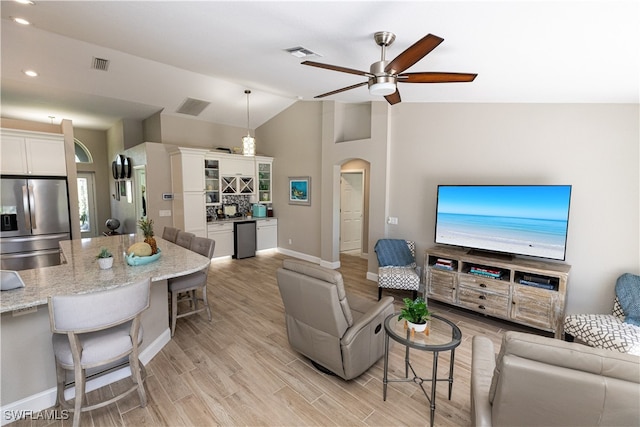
point(212, 181)
point(264, 182)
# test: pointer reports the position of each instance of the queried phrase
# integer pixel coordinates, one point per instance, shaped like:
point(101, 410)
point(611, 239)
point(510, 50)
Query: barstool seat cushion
point(189, 281)
point(96, 346)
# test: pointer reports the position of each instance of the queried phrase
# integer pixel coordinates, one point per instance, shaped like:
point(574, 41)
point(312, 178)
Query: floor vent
point(100, 64)
point(192, 107)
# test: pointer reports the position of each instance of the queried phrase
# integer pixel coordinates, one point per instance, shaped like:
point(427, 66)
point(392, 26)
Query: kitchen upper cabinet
point(188, 182)
point(263, 175)
point(235, 165)
point(32, 153)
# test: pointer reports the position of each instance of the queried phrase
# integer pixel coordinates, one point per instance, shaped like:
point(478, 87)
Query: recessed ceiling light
point(30, 73)
point(21, 21)
point(25, 2)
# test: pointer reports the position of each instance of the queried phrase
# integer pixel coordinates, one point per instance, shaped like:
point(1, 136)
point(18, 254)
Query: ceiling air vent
point(192, 107)
point(100, 64)
point(301, 52)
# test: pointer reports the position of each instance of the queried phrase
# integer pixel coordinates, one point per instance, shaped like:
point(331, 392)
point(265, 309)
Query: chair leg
point(60, 377)
point(379, 293)
point(205, 302)
point(79, 388)
point(174, 311)
point(136, 375)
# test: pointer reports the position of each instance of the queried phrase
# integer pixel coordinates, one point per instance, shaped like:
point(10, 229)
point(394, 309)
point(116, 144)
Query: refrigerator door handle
point(25, 203)
point(32, 208)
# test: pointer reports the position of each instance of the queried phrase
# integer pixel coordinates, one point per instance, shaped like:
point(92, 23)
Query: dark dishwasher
point(244, 239)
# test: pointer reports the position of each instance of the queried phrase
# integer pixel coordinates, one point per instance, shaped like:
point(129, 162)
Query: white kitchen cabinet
point(187, 179)
point(222, 233)
point(266, 233)
point(264, 178)
point(236, 165)
point(32, 153)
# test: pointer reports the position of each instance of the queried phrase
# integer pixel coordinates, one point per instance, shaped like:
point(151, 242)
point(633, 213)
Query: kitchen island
point(27, 364)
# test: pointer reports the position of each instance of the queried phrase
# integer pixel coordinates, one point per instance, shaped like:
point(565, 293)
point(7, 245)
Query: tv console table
point(523, 291)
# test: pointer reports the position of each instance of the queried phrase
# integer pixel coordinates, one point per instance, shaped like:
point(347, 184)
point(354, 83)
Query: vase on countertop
point(105, 263)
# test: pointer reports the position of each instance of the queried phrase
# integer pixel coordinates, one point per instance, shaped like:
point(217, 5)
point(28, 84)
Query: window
point(82, 153)
point(83, 202)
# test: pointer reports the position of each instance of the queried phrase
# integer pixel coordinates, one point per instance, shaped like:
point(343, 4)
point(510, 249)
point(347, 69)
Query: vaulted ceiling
point(161, 53)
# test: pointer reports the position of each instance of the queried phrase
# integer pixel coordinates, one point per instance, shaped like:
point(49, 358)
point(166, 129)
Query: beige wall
point(293, 139)
point(593, 147)
point(188, 132)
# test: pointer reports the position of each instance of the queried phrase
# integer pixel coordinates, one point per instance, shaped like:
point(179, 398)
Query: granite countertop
point(240, 218)
point(81, 273)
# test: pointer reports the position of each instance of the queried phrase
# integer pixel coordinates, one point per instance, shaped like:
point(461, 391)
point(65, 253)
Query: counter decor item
point(146, 226)
point(134, 260)
point(105, 259)
point(416, 313)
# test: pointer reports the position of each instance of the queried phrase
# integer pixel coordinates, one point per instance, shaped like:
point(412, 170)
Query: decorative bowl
point(142, 260)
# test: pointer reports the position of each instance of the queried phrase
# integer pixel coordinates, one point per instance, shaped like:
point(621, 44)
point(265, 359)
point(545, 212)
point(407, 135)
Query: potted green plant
point(105, 259)
point(416, 313)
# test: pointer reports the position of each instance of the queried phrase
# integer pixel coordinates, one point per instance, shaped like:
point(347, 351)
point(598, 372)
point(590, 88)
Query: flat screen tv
point(509, 219)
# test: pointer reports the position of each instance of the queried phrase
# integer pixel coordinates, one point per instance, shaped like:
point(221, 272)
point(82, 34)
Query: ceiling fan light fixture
point(382, 85)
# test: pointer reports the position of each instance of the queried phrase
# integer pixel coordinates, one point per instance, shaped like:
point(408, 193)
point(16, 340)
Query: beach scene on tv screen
point(529, 220)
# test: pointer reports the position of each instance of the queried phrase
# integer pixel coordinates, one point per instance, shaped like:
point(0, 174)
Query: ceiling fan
point(384, 75)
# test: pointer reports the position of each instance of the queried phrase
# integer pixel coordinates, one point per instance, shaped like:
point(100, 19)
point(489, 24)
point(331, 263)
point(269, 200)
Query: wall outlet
point(392, 220)
point(164, 213)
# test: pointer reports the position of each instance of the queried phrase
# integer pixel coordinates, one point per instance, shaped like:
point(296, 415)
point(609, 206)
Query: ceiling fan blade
point(336, 68)
point(333, 92)
point(436, 77)
point(413, 54)
point(394, 98)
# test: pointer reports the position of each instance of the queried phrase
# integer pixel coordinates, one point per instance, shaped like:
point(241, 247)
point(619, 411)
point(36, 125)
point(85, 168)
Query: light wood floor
point(240, 370)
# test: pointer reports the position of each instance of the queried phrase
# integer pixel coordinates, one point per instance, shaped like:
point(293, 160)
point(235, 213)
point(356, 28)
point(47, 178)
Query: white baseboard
point(46, 399)
point(331, 265)
point(313, 259)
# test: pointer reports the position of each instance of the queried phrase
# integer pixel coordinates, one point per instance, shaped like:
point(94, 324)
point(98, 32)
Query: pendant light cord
point(248, 92)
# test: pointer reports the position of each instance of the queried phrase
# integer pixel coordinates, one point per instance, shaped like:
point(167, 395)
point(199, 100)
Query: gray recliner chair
point(345, 336)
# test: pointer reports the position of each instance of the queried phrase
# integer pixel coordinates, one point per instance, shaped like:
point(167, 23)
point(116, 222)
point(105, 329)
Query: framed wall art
point(300, 190)
point(123, 189)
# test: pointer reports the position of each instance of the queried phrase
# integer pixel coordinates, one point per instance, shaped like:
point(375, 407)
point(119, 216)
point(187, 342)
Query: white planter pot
point(105, 263)
point(418, 327)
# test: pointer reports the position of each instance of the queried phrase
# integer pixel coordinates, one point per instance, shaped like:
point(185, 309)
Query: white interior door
point(87, 204)
point(140, 196)
point(351, 210)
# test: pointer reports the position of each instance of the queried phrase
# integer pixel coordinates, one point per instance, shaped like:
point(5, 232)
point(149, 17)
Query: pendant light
point(248, 142)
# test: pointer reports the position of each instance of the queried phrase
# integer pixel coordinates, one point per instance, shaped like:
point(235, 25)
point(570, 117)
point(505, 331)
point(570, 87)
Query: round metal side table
point(442, 335)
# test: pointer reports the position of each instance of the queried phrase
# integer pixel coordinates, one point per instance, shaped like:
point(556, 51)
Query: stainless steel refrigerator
point(34, 219)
